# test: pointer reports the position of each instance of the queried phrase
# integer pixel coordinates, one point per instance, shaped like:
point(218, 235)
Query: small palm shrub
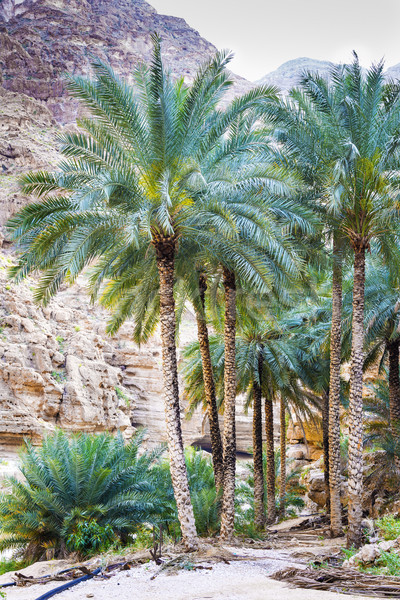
point(204, 497)
point(80, 493)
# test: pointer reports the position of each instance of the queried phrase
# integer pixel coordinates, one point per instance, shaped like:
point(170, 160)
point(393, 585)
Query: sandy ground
point(243, 580)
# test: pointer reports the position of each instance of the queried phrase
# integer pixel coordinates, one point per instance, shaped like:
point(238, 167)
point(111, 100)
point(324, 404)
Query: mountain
point(42, 39)
point(393, 72)
point(57, 365)
point(288, 75)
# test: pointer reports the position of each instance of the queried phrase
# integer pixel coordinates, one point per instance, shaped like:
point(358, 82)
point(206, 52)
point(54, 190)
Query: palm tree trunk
point(229, 440)
point(334, 397)
point(282, 441)
point(209, 389)
point(269, 430)
point(394, 396)
point(259, 508)
point(325, 443)
point(355, 469)
point(165, 252)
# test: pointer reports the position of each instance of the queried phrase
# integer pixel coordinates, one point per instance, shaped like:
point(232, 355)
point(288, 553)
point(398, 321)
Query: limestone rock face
point(305, 443)
point(58, 367)
point(52, 375)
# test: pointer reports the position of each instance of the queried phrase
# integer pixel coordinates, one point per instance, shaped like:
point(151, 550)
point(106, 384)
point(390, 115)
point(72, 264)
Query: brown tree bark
point(165, 251)
point(259, 507)
point(325, 443)
point(394, 395)
point(355, 467)
point(269, 431)
point(282, 442)
point(209, 389)
point(334, 397)
point(229, 439)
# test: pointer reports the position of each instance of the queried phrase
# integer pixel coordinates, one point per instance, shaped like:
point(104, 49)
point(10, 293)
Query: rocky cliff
point(57, 365)
point(40, 40)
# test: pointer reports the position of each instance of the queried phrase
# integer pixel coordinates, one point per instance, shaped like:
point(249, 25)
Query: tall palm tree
point(362, 114)
point(314, 148)
point(209, 386)
point(257, 197)
point(123, 193)
point(382, 318)
point(370, 125)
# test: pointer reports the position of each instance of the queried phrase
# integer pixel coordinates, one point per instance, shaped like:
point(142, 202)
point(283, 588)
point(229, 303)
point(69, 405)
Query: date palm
point(314, 146)
point(124, 191)
point(367, 184)
point(361, 115)
point(382, 321)
point(256, 199)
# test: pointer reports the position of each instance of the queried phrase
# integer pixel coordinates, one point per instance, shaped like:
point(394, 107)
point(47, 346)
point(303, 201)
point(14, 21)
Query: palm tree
point(371, 117)
point(314, 147)
point(209, 386)
point(361, 114)
point(382, 320)
point(123, 193)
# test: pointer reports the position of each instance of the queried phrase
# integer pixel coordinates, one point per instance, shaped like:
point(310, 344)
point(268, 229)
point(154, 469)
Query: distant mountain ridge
point(289, 73)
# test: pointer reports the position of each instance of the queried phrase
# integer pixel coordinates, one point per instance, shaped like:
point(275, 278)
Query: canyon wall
point(57, 365)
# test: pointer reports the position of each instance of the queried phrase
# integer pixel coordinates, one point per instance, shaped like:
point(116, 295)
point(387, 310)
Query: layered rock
point(58, 367)
point(41, 40)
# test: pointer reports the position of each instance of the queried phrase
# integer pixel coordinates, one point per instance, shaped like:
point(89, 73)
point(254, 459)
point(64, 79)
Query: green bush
point(389, 527)
point(89, 536)
point(12, 565)
point(79, 492)
point(205, 500)
point(388, 563)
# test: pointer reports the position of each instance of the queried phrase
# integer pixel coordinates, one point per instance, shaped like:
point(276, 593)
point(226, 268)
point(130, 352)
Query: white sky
point(265, 34)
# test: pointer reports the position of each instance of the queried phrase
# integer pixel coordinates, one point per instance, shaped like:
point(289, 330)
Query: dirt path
point(243, 580)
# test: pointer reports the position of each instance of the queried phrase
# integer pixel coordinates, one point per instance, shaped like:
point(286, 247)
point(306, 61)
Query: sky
point(265, 34)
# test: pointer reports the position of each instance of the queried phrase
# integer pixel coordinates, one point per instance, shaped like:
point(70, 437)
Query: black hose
point(10, 584)
point(67, 585)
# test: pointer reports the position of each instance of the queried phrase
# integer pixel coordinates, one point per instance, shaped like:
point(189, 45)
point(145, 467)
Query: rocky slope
point(40, 40)
point(57, 365)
